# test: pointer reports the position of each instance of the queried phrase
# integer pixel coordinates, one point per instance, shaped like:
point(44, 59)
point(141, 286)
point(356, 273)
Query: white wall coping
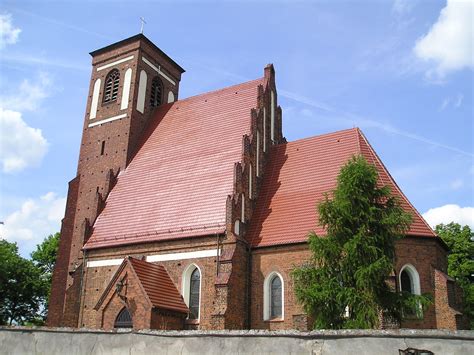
point(126, 59)
point(110, 119)
point(159, 257)
point(158, 70)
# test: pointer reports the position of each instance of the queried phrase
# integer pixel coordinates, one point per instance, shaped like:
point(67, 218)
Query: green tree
point(44, 257)
point(460, 241)
point(22, 289)
point(344, 285)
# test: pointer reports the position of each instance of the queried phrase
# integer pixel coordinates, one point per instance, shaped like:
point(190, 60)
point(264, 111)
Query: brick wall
point(135, 301)
point(281, 259)
point(426, 255)
point(92, 184)
point(97, 278)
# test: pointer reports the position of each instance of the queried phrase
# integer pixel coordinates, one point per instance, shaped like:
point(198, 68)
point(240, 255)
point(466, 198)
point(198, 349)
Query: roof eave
point(137, 37)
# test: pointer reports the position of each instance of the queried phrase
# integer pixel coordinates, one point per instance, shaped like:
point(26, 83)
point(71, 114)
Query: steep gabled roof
point(155, 283)
point(158, 286)
point(297, 176)
point(177, 184)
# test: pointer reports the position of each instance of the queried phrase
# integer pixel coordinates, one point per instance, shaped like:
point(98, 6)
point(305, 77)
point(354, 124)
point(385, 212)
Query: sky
point(400, 70)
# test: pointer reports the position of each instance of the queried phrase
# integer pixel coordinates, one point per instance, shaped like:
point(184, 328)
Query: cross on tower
point(143, 24)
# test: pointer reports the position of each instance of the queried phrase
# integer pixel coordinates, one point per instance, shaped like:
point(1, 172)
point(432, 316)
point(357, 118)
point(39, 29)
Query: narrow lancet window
point(275, 297)
point(194, 291)
point(406, 282)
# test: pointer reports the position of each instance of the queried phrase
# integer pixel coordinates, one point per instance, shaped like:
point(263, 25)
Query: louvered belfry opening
point(111, 86)
point(156, 92)
point(124, 319)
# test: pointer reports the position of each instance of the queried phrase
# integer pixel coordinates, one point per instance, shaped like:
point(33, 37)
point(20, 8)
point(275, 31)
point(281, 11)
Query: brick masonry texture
point(231, 293)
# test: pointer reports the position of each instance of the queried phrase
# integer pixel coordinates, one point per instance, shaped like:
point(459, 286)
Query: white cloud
point(449, 42)
point(454, 102)
point(450, 213)
point(457, 184)
point(8, 33)
point(458, 101)
point(402, 7)
point(445, 103)
point(21, 146)
point(28, 96)
point(33, 221)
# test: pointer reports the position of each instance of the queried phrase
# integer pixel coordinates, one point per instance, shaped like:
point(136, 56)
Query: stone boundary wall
point(68, 341)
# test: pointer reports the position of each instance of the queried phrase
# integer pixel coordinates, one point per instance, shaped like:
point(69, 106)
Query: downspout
point(82, 288)
point(218, 253)
point(249, 287)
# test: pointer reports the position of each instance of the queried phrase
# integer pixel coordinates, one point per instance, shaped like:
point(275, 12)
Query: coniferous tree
point(345, 283)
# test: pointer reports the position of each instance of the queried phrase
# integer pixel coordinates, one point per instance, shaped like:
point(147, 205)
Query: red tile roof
point(297, 176)
point(177, 183)
point(158, 286)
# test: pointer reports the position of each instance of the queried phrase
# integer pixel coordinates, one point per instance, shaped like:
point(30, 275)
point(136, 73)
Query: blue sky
point(400, 70)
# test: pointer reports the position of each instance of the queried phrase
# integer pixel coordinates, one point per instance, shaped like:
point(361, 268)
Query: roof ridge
point(131, 260)
point(322, 135)
point(377, 158)
point(217, 90)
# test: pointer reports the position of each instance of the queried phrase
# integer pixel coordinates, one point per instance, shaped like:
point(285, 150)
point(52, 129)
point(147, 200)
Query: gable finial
point(142, 20)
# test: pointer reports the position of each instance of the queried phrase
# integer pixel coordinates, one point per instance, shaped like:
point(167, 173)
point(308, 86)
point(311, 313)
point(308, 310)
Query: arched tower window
point(156, 96)
point(112, 81)
point(191, 290)
point(124, 319)
point(273, 297)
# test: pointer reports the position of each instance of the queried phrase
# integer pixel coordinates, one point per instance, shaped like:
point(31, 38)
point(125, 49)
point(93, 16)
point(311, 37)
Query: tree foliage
point(44, 258)
point(345, 283)
point(22, 289)
point(25, 284)
point(460, 241)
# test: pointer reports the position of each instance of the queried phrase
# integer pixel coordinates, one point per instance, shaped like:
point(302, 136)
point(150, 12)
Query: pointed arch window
point(273, 297)
point(124, 319)
point(194, 294)
point(112, 81)
point(191, 290)
point(410, 280)
point(156, 95)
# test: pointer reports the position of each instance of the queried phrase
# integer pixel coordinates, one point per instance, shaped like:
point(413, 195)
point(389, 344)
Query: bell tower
point(129, 80)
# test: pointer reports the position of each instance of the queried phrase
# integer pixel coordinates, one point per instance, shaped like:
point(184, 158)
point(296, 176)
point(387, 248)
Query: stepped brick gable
point(192, 213)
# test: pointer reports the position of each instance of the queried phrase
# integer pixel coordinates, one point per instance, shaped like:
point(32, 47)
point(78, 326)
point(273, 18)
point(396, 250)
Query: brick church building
point(192, 213)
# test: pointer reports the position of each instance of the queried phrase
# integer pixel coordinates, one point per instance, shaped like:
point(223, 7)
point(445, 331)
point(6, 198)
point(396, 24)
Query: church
point(192, 213)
